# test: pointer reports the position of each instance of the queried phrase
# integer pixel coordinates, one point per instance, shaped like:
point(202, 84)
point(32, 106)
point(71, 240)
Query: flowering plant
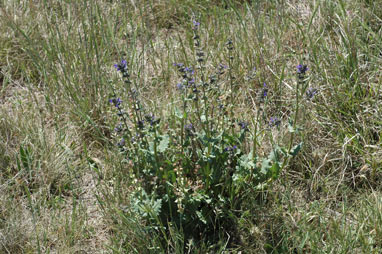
point(197, 172)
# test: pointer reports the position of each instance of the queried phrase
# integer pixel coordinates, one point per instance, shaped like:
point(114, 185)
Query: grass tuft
point(66, 187)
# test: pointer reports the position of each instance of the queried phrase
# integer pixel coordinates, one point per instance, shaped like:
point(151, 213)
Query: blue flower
point(223, 66)
point(121, 66)
point(121, 143)
point(141, 124)
point(274, 121)
point(178, 64)
point(189, 127)
point(180, 86)
point(264, 92)
point(181, 68)
point(229, 44)
point(116, 101)
point(243, 125)
point(230, 149)
point(311, 92)
point(152, 119)
point(118, 128)
point(196, 24)
point(302, 68)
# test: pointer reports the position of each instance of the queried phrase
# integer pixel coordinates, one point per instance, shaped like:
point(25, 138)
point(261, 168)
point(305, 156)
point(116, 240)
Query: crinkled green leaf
point(163, 145)
point(296, 149)
point(246, 162)
point(275, 170)
point(179, 114)
point(290, 126)
point(265, 166)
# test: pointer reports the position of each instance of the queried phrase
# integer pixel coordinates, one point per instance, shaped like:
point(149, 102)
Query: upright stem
point(255, 136)
point(299, 82)
point(231, 83)
point(296, 113)
point(121, 113)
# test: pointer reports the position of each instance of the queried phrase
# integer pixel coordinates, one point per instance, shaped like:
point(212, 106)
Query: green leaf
point(156, 206)
point(147, 204)
point(283, 151)
point(275, 170)
point(163, 145)
point(179, 114)
point(274, 156)
point(25, 158)
point(265, 166)
point(245, 163)
point(290, 126)
point(272, 163)
point(296, 149)
point(201, 217)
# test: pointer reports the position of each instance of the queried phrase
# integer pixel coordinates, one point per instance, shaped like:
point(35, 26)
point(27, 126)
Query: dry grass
point(62, 184)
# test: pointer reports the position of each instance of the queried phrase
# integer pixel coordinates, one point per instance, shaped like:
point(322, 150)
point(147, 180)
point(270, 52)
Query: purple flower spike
point(311, 92)
point(117, 102)
point(243, 125)
point(121, 66)
point(302, 68)
point(118, 128)
point(179, 86)
point(121, 143)
point(265, 91)
point(230, 149)
point(196, 24)
point(189, 127)
point(274, 121)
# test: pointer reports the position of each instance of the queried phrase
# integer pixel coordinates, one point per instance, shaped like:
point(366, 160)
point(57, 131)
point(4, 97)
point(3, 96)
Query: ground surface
point(63, 186)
